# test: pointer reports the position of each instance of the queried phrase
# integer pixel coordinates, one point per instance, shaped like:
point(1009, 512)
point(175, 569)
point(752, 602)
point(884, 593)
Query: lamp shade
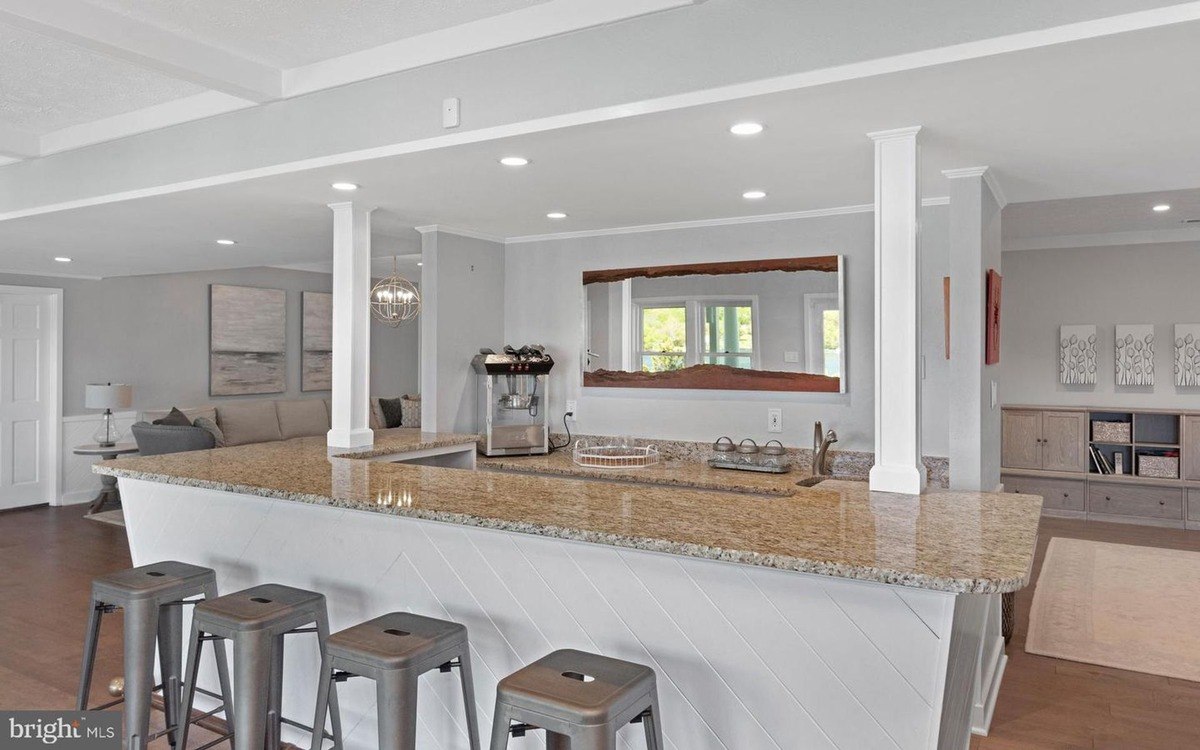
point(107, 396)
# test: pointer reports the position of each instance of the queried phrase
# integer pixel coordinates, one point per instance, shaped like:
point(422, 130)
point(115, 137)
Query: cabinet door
point(1020, 443)
point(1191, 447)
point(1064, 441)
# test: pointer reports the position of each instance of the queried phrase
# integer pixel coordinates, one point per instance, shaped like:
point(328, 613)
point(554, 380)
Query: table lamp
point(107, 396)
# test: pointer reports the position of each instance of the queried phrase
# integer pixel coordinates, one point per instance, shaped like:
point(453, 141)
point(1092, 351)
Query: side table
point(108, 489)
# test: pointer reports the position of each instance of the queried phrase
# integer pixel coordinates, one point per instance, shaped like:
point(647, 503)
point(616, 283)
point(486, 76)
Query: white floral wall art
point(1134, 352)
point(1187, 354)
point(1077, 355)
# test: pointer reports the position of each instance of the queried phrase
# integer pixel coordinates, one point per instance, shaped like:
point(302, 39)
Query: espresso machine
point(513, 390)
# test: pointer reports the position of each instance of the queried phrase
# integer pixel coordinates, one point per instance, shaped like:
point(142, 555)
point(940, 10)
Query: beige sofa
point(260, 421)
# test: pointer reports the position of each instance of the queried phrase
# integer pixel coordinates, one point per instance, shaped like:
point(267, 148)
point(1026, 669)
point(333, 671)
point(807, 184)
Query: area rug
point(1118, 605)
point(110, 517)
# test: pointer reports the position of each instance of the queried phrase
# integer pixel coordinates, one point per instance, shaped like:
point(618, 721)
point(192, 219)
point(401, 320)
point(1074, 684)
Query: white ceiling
point(1053, 123)
point(290, 33)
point(46, 84)
point(1103, 215)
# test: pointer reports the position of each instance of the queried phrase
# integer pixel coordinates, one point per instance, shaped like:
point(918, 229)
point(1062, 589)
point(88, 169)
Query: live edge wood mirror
point(763, 325)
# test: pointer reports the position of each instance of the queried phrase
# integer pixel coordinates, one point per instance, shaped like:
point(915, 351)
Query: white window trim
point(694, 325)
point(815, 305)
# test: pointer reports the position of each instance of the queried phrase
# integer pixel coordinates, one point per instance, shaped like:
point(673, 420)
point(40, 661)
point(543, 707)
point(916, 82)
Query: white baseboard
point(78, 497)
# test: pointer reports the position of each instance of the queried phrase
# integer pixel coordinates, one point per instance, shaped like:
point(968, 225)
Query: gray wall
point(152, 332)
point(1044, 289)
point(544, 304)
point(466, 293)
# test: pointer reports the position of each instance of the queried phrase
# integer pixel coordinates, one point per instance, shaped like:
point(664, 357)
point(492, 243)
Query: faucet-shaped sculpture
point(821, 442)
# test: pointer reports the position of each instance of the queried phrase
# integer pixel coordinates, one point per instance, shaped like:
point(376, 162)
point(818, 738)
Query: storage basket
point(1111, 432)
point(1163, 467)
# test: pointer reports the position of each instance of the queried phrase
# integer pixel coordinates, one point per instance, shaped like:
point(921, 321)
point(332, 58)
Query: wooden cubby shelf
point(1047, 451)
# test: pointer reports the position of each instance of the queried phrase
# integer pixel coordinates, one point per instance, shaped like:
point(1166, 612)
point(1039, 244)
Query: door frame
point(53, 433)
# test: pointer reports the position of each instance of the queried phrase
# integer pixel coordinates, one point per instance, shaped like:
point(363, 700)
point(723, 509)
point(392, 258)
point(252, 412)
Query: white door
point(28, 398)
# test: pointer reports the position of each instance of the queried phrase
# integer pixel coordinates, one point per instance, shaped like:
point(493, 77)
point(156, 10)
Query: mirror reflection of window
point(728, 335)
point(664, 338)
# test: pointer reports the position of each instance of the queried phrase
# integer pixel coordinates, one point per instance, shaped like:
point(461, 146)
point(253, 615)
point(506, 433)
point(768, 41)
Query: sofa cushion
point(210, 426)
point(175, 418)
point(158, 439)
point(193, 413)
point(392, 410)
point(245, 422)
point(302, 418)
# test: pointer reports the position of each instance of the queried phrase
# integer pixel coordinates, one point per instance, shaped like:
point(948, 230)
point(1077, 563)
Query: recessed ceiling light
point(556, 215)
point(1162, 207)
point(746, 128)
point(226, 242)
point(419, 263)
point(347, 186)
point(63, 259)
point(514, 161)
point(753, 195)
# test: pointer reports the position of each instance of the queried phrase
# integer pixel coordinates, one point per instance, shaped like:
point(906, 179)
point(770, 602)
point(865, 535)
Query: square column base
point(908, 480)
point(364, 438)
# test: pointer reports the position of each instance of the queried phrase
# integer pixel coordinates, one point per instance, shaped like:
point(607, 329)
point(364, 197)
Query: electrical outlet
point(573, 409)
point(774, 420)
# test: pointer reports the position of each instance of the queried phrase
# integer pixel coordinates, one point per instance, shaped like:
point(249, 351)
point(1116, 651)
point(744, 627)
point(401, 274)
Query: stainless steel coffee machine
point(513, 389)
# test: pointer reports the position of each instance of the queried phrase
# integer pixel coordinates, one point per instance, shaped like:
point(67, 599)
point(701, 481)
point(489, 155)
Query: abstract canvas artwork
point(247, 340)
point(317, 356)
point(1134, 353)
point(1187, 354)
point(1077, 355)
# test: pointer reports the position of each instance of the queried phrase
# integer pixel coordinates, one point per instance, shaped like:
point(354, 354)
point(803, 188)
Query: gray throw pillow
point(210, 426)
point(393, 411)
point(175, 418)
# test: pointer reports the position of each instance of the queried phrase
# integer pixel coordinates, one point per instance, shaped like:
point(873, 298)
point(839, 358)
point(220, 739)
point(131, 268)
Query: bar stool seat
point(580, 699)
point(394, 650)
point(256, 620)
point(151, 597)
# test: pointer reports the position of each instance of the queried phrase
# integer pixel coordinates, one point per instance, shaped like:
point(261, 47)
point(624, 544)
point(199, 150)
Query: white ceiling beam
point(148, 46)
point(540, 21)
point(17, 144)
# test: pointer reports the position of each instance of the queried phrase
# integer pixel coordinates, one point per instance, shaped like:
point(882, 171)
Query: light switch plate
point(791, 357)
point(774, 420)
point(995, 394)
point(450, 113)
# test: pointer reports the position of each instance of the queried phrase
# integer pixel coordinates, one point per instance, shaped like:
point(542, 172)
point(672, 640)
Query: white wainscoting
point(79, 484)
point(748, 658)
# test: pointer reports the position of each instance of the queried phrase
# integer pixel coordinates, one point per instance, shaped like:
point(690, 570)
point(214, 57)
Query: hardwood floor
point(48, 557)
point(1050, 703)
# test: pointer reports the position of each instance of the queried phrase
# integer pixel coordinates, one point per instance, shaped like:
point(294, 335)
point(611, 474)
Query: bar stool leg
point(275, 706)
point(195, 647)
point(141, 632)
point(599, 737)
point(251, 676)
point(335, 714)
point(325, 684)
point(90, 639)
point(468, 688)
point(170, 654)
point(654, 738)
point(500, 724)
point(396, 704)
point(555, 741)
point(210, 592)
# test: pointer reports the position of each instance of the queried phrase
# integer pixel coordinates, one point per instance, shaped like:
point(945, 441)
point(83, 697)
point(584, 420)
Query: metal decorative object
point(1077, 355)
point(395, 299)
point(116, 687)
point(1135, 354)
point(1187, 354)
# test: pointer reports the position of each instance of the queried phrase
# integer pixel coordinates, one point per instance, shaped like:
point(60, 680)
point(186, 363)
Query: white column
point(898, 466)
point(975, 206)
point(429, 328)
point(350, 413)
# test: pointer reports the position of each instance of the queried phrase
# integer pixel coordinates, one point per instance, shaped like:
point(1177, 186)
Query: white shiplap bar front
point(748, 658)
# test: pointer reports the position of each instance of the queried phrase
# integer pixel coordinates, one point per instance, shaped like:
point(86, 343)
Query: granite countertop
point(668, 472)
point(947, 541)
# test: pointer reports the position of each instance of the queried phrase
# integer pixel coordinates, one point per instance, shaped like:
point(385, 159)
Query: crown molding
point(988, 175)
point(469, 233)
point(50, 275)
point(895, 133)
point(1108, 239)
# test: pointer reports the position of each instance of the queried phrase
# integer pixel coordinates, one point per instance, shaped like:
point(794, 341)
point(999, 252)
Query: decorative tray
point(615, 456)
point(783, 468)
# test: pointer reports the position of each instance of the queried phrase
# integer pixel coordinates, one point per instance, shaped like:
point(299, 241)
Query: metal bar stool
point(257, 620)
point(580, 699)
point(394, 650)
point(152, 597)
